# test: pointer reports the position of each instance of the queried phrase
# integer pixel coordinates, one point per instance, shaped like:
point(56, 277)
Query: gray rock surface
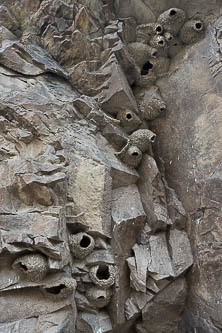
point(89, 92)
point(193, 168)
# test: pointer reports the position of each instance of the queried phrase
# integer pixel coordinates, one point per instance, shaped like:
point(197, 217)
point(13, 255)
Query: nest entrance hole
point(159, 28)
point(85, 242)
point(100, 297)
point(103, 272)
point(23, 267)
point(173, 12)
point(129, 116)
point(198, 26)
point(55, 290)
point(146, 68)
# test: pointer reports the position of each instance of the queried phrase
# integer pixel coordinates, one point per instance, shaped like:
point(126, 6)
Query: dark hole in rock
point(154, 54)
point(85, 242)
point(55, 290)
point(103, 272)
point(153, 138)
point(175, 44)
point(43, 28)
point(219, 35)
point(135, 153)
point(128, 116)
point(160, 42)
point(158, 28)
point(162, 109)
point(172, 12)
point(157, 231)
point(198, 25)
point(24, 268)
point(78, 227)
point(146, 67)
point(133, 85)
point(101, 297)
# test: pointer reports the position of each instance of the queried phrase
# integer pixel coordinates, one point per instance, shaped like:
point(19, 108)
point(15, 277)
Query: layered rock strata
point(93, 236)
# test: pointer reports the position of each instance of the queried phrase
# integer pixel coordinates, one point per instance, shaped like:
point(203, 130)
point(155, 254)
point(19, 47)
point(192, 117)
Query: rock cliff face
point(110, 187)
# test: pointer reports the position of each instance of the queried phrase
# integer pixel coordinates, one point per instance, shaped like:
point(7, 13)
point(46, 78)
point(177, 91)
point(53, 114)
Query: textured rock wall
point(105, 118)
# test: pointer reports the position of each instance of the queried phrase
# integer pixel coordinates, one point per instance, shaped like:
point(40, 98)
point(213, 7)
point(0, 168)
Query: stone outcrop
point(109, 164)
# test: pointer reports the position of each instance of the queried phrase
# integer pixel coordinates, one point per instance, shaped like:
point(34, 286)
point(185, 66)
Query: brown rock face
point(110, 177)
